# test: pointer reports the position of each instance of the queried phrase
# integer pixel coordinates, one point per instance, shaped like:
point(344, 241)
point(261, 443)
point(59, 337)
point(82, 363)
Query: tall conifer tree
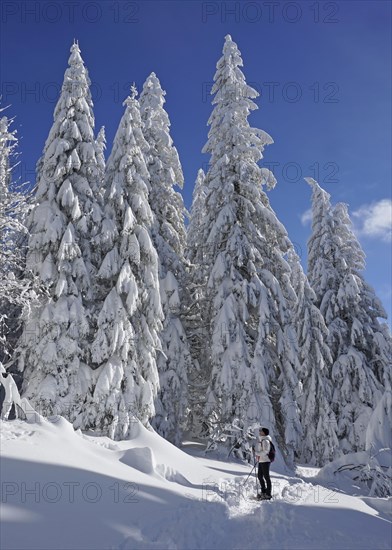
point(253, 357)
point(126, 340)
point(319, 443)
point(168, 236)
point(359, 343)
point(64, 227)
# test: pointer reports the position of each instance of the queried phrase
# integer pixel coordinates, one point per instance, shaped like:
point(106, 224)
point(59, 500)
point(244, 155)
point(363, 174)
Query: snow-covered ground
point(64, 489)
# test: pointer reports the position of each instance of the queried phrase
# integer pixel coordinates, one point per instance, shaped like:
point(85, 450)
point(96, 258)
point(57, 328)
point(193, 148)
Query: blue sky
point(323, 70)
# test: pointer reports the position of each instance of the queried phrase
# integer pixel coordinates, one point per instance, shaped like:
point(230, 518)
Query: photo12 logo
point(287, 92)
point(69, 12)
point(270, 12)
point(69, 492)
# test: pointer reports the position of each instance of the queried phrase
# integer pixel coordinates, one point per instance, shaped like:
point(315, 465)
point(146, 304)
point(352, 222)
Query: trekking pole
point(253, 468)
point(250, 473)
point(257, 488)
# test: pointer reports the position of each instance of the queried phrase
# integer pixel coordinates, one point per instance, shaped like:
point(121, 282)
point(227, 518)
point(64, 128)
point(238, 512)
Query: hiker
point(262, 448)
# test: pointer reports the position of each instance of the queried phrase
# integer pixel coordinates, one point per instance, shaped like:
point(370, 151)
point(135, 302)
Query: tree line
point(113, 309)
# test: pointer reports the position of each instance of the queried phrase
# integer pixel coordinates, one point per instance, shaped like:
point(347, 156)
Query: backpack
point(272, 452)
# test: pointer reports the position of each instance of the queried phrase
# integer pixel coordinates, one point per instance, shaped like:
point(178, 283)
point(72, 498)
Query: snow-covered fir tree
point(100, 144)
point(9, 254)
point(359, 343)
point(199, 376)
point(319, 443)
point(196, 219)
point(126, 341)
point(16, 291)
point(168, 236)
point(64, 227)
point(253, 358)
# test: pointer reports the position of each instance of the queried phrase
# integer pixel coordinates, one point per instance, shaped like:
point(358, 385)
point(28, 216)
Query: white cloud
point(375, 220)
point(306, 217)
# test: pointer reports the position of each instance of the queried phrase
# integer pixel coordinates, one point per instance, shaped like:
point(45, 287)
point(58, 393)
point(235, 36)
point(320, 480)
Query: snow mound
point(359, 474)
point(172, 475)
point(140, 458)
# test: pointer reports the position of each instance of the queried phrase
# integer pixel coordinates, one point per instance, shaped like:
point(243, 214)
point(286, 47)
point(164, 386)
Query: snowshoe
point(264, 497)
